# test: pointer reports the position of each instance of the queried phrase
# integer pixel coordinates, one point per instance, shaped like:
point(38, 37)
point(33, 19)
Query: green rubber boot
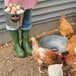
point(25, 41)
point(15, 38)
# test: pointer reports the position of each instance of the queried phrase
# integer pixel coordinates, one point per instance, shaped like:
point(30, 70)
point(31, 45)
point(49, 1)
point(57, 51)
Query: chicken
point(65, 27)
point(70, 60)
point(74, 73)
point(42, 55)
point(71, 45)
point(55, 70)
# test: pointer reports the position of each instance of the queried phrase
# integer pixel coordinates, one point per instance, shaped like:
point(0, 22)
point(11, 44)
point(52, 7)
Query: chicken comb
point(63, 15)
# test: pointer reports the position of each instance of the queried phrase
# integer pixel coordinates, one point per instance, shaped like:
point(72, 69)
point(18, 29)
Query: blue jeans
point(26, 23)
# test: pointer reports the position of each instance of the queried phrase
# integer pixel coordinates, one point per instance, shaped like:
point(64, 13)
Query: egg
point(18, 12)
point(7, 9)
point(12, 12)
point(14, 9)
point(22, 11)
point(10, 5)
point(14, 4)
point(18, 7)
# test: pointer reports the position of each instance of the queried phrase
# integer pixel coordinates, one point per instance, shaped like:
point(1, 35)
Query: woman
point(26, 25)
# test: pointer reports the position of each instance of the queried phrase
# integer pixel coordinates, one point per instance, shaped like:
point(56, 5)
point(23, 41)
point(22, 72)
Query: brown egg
point(14, 9)
point(12, 12)
point(14, 4)
point(74, 73)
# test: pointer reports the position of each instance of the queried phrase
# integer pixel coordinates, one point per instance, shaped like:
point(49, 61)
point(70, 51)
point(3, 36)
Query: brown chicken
point(65, 27)
point(70, 60)
point(71, 45)
point(42, 55)
point(74, 73)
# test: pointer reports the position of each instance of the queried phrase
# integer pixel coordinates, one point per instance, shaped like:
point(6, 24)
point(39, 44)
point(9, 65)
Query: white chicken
point(55, 70)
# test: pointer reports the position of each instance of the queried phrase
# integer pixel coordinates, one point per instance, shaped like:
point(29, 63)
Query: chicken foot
point(40, 71)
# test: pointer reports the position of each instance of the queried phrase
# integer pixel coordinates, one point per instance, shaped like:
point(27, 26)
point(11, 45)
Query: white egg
point(75, 50)
point(7, 9)
point(22, 11)
point(18, 12)
point(18, 6)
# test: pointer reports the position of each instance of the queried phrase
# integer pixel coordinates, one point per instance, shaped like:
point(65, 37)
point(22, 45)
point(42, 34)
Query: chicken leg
point(40, 71)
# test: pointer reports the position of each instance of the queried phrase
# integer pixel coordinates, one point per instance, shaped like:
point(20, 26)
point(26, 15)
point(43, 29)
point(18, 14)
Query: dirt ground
point(10, 65)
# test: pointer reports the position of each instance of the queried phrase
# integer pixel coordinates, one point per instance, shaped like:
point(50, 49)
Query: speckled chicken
point(65, 27)
point(42, 55)
point(70, 60)
point(71, 45)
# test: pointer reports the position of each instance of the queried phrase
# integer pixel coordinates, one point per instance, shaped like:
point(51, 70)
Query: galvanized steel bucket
point(14, 20)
